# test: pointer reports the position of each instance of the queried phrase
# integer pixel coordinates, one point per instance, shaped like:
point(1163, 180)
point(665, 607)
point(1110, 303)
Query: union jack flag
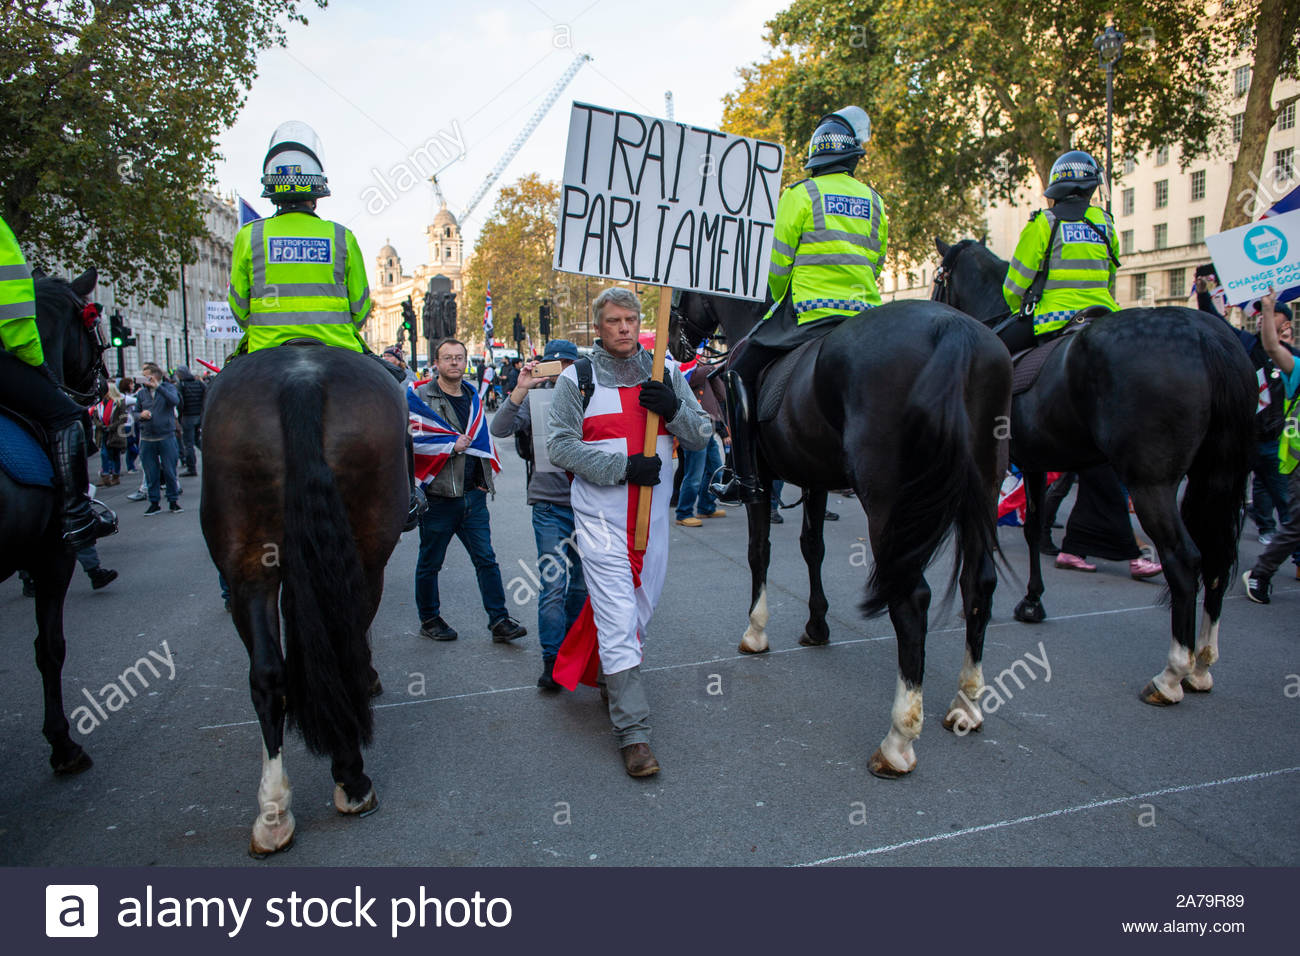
point(487, 316)
point(434, 438)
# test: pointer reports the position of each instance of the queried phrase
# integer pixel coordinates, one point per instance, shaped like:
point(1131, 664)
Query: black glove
point(642, 470)
point(660, 399)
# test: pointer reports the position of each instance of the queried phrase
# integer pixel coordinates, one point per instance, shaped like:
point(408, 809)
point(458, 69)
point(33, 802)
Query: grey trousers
point(1286, 539)
point(629, 709)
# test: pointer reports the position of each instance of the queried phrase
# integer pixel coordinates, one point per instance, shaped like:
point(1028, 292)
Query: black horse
point(305, 493)
point(901, 404)
point(30, 519)
point(1161, 394)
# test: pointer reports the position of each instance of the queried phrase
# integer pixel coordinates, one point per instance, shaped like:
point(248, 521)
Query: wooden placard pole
point(652, 420)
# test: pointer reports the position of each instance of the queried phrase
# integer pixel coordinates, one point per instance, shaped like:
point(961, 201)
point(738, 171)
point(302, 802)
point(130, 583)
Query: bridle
point(694, 339)
point(85, 391)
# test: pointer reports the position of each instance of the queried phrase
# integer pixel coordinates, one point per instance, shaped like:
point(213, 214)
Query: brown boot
point(639, 761)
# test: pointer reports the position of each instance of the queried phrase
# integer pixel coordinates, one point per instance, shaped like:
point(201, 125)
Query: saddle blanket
point(21, 456)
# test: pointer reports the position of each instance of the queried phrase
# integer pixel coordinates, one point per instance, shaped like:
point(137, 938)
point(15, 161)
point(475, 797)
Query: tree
point(967, 100)
point(515, 251)
point(1274, 25)
point(109, 114)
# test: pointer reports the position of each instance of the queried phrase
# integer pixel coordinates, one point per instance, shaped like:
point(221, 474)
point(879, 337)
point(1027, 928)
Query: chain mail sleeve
point(564, 444)
point(691, 424)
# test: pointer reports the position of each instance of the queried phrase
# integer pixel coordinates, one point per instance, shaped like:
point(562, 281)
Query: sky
point(394, 86)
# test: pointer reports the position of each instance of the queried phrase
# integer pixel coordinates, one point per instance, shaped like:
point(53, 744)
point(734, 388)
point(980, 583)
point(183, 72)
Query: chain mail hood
point(621, 373)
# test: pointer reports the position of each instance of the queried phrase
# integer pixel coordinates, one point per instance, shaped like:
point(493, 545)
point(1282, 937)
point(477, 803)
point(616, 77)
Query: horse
point(305, 493)
point(899, 403)
point(31, 537)
point(1160, 394)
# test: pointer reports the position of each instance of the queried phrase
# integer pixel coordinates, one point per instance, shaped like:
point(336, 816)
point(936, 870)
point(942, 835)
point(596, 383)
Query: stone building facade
point(389, 285)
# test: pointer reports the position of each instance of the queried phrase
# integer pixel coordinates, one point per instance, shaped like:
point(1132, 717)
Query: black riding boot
point(418, 503)
point(742, 484)
point(81, 523)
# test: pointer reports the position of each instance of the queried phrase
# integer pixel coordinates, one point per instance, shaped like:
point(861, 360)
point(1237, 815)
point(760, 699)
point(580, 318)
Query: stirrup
point(418, 506)
point(99, 522)
point(736, 490)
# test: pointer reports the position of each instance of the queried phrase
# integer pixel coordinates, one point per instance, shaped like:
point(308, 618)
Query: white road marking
point(1035, 817)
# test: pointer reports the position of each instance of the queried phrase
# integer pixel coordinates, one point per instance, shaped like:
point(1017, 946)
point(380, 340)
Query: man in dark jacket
point(159, 452)
point(192, 392)
point(457, 497)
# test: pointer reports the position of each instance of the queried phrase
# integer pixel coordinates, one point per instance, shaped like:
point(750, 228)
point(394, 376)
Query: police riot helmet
point(839, 137)
point(1073, 173)
point(292, 170)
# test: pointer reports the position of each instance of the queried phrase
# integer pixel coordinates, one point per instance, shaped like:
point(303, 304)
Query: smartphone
point(544, 369)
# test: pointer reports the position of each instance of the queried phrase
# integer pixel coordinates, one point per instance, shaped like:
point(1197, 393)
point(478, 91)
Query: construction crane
point(518, 143)
point(668, 104)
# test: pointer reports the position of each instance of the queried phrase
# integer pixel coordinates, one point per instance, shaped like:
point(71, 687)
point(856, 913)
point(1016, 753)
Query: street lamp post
point(1109, 46)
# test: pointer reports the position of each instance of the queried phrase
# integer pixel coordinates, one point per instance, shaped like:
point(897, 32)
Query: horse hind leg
point(51, 578)
point(978, 581)
point(1157, 509)
point(754, 640)
point(813, 546)
point(895, 757)
point(258, 621)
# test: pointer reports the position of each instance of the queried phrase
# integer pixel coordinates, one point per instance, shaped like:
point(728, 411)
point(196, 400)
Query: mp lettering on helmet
point(294, 249)
point(859, 207)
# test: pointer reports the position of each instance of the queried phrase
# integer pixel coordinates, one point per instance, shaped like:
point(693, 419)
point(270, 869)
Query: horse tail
point(1216, 481)
point(326, 655)
point(940, 484)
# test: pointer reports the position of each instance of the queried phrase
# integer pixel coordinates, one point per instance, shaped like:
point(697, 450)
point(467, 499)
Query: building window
point(1198, 185)
point(390, 278)
point(1127, 202)
point(446, 232)
point(1130, 164)
point(1237, 122)
point(1139, 286)
point(1178, 283)
point(446, 253)
point(1241, 80)
point(390, 262)
point(1196, 229)
point(1162, 235)
point(1286, 118)
point(1162, 156)
point(1284, 165)
point(1162, 194)
point(1126, 242)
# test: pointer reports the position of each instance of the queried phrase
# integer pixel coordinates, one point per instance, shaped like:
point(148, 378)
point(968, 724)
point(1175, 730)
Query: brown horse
point(305, 493)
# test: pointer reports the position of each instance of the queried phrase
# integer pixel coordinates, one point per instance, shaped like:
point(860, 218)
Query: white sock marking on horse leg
point(274, 825)
point(754, 639)
point(1170, 680)
point(906, 717)
point(1207, 652)
point(964, 713)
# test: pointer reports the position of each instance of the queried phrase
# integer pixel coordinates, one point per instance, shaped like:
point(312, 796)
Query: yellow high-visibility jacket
point(18, 329)
point(1080, 270)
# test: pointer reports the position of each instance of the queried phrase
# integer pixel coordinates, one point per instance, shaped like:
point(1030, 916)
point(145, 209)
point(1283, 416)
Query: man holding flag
point(454, 463)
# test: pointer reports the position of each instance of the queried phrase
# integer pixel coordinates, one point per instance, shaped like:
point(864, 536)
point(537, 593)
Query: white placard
point(220, 322)
point(539, 410)
point(1251, 258)
point(665, 203)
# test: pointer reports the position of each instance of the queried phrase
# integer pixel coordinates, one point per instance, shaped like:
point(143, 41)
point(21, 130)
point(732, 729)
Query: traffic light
point(116, 335)
point(520, 334)
point(544, 320)
point(408, 315)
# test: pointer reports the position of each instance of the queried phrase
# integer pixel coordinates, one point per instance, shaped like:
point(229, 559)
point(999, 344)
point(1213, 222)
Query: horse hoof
point(752, 650)
point(880, 767)
point(355, 808)
point(1198, 685)
point(79, 763)
point(1030, 612)
point(807, 641)
point(261, 853)
point(1153, 695)
point(958, 717)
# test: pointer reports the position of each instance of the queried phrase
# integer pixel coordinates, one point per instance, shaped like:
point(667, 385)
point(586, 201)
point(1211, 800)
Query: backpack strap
point(586, 381)
point(1035, 290)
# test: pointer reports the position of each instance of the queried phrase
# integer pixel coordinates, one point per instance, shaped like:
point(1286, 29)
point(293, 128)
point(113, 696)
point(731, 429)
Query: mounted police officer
point(30, 387)
point(1067, 255)
point(829, 241)
point(295, 275)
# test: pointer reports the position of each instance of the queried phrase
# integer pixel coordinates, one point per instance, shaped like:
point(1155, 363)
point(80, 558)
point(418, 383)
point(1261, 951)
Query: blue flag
point(247, 213)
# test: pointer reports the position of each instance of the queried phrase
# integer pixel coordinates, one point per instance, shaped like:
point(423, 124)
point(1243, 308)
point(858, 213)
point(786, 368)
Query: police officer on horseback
point(829, 241)
point(1066, 258)
point(295, 275)
point(30, 387)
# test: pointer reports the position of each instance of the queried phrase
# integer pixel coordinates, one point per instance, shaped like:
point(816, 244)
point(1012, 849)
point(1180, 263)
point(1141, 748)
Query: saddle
point(1028, 363)
point(22, 451)
point(775, 378)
